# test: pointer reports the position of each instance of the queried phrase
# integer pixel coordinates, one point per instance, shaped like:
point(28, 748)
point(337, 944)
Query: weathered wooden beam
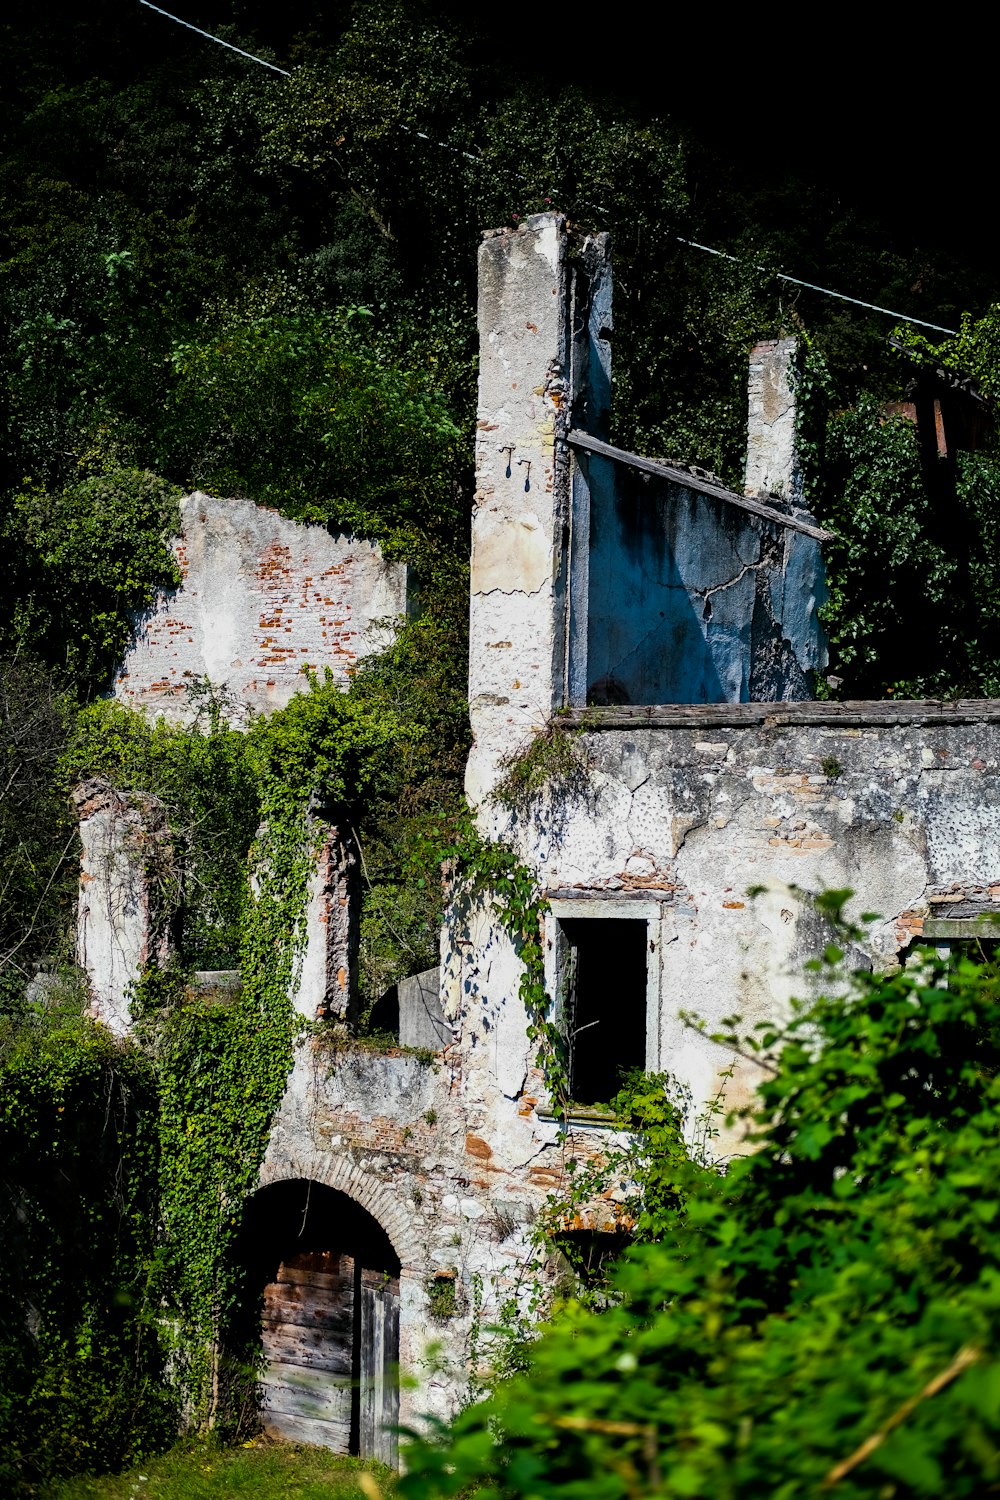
point(293, 1429)
point(278, 1314)
point(587, 444)
point(954, 929)
point(857, 714)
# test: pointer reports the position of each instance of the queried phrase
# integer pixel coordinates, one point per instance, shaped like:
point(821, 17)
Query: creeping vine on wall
point(491, 872)
point(243, 813)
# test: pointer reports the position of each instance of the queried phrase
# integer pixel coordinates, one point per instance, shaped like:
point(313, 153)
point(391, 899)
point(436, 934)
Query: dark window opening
point(591, 1254)
point(383, 1018)
point(603, 1004)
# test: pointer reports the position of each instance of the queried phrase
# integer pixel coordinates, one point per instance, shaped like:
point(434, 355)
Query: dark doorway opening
point(321, 1291)
point(604, 1003)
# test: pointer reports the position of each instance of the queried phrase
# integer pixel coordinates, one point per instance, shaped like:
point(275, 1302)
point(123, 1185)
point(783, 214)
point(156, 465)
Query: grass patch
point(260, 1470)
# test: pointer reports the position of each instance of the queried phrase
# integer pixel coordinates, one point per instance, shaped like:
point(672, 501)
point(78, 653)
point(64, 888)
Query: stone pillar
point(517, 644)
point(128, 893)
point(326, 986)
point(772, 459)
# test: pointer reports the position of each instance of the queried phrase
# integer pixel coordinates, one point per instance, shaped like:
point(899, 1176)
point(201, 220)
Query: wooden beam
point(858, 714)
point(688, 481)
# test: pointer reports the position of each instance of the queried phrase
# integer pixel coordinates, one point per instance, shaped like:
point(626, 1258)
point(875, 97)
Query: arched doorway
point(323, 1279)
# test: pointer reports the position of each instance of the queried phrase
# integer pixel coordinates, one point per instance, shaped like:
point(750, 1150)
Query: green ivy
point(82, 1371)
point(552, 759)
point(489, 871)
point(163, 1142)
point(824, 1317)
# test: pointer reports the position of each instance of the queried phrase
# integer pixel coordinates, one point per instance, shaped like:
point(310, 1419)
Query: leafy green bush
point(38, 840)
point(82, 1374)
point(313, 414)
point(825, 1316)
point(84, 561)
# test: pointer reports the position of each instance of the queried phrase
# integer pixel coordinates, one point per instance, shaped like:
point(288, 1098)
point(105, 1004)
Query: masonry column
point(326, 984)
point(129, 887)
point(775, 472)
point(517, 643)
point(772, 460)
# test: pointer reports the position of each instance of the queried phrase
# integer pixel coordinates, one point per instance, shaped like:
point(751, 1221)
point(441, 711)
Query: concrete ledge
point(857, 714)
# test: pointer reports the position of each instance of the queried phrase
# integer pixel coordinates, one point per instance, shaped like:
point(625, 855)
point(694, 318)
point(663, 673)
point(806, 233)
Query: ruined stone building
point(669, 629)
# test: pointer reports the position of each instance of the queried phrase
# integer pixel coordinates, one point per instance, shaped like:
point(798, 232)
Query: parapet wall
point(261, 599)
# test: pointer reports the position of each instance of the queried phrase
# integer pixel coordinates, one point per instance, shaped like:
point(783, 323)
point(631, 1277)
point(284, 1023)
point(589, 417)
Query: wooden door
point(378, 1367)
point(308, 1336)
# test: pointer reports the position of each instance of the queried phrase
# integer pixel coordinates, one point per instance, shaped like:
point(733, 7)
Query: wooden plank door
point(379, 1367)
point(308, 1338)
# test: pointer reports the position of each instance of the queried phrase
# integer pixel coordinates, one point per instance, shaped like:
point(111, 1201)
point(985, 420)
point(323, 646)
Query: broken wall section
point(695, 594)
point(599, 576)
point(261, 598)
point(325, 986)
point(129, 890)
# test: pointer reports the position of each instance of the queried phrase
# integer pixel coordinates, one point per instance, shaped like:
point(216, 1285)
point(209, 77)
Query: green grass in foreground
point(260, 1470)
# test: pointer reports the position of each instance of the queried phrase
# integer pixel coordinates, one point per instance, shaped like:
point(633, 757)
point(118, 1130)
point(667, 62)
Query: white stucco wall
point(261, 598)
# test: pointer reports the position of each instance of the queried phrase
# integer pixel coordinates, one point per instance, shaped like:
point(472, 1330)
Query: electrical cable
point(252, 56)
point(694, 244)
point(841, 296)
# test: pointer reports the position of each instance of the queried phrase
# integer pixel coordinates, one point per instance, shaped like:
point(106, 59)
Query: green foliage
point(37, 830)
point(417, 802)
point(551, 760)
point(442, 1295)
point(222, 1073)
point(138, 1255)
point(912, 574)
point(236, 802)
point(838, 1286)
point(84, 561)
point(491, 873)
point(266, 285)
point(893, 585)
point(973, 354)
point(82, 1375)
point(316, 415)
point(204, 776)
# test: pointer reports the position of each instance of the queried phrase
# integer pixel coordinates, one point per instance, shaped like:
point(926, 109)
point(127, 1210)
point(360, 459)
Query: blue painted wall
point(691, 599)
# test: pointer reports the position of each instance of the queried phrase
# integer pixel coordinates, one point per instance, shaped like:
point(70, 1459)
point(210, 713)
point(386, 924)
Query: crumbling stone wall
point(455, 1170)
point(677, 812)
point(693, 600)
point(598, 576)
point(128, 891)
point(261, 598)
point(691, 809)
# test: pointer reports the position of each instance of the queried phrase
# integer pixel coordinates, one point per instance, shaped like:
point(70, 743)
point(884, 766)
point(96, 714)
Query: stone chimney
point(544, 366)
point(772, 459)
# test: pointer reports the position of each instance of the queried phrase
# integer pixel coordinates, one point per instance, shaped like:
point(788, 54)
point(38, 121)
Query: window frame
point(612, 907)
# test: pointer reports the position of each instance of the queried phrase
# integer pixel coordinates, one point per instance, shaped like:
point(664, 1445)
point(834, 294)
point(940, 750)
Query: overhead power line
point(694, 244)
point(827, 292)
point(212, 38)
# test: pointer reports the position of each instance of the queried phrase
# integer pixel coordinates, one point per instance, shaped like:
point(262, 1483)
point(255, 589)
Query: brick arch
point(338, 1173)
